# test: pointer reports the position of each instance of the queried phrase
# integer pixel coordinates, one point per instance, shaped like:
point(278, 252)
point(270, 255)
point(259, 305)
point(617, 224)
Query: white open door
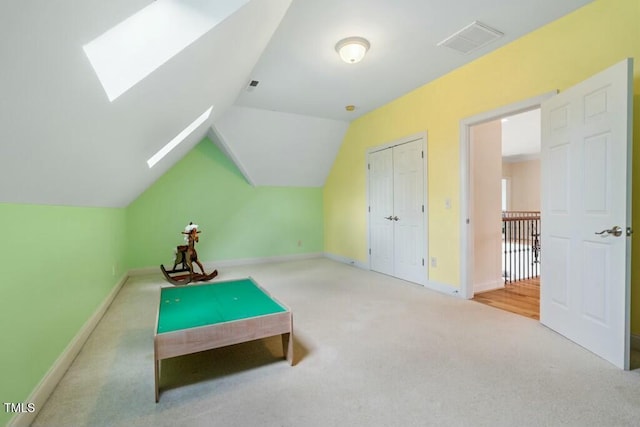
point(586, 212)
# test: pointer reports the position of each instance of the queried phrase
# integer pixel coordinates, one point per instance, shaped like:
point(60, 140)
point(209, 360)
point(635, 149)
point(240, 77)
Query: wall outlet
point(434, 261)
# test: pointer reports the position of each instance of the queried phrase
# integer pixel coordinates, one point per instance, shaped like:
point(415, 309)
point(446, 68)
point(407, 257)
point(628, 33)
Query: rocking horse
point(186, 255)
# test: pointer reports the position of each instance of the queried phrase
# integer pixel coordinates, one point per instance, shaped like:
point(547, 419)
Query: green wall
point(60, 263)
point(57, 268)
point(238, 221)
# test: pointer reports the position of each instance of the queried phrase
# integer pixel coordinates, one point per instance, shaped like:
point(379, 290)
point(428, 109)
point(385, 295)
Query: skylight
point(179, 138)
point(133, 49)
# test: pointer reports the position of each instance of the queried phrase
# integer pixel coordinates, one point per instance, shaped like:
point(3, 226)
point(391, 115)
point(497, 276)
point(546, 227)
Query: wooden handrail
point(520, 215)
point(520, 218)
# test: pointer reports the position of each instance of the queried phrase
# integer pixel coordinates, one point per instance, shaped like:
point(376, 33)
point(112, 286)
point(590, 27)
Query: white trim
point(262, 260)
point(143, 271)
point(466, 226)
point(490, 285)
point(367, 211)
point(405, 140)
point(635, 342)
point(212, 265)
point(425, 196)
point(443, 288)
point(433, 286)
point(48, 383)
point(348, 261)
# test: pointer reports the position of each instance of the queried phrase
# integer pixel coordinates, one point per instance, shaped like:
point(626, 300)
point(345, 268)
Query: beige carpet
point(370, 351)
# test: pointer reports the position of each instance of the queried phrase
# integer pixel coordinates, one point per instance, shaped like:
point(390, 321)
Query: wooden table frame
point(193, 340)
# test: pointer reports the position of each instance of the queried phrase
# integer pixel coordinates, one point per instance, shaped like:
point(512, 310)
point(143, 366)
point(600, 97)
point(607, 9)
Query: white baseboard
point(348, 261)
point(488, 286)
point(144, 271)
point(434, 286)
point(443, 288)
point(635, 342)
point(213, 265)
point(263, 260)
point(48, 383)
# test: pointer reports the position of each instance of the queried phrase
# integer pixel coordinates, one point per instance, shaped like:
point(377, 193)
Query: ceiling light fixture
point(352, 49)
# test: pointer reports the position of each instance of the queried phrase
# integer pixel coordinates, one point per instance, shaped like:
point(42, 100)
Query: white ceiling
point(63, 142)
point(259, 139)
point(300, 71)
point(521, 136)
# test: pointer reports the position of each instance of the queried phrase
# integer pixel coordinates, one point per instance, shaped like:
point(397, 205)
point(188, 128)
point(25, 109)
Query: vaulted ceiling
point(62, 141)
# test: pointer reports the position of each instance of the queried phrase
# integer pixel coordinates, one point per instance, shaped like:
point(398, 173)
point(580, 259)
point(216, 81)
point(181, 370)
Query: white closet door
point(381, 211)
point(408, 196)
point(396, 218)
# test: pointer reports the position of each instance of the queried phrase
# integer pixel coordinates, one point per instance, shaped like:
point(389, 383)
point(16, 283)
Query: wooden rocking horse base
point(185, 279)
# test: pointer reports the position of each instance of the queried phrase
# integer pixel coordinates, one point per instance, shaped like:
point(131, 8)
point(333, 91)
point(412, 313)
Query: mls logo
point(19, 407)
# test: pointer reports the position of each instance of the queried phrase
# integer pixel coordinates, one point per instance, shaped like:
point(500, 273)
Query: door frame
point(425, 241)
point(466, 225)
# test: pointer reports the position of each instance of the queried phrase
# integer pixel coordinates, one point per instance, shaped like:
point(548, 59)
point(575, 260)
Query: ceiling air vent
point(252, 85)
point(472, 37)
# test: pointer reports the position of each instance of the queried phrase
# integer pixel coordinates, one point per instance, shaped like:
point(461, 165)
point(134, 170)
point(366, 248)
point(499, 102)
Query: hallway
point(522, 297)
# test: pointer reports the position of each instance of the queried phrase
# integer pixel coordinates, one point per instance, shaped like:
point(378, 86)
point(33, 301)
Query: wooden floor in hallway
point(521, 297)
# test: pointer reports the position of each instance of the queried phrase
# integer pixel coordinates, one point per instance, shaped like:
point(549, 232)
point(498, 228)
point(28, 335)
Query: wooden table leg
point(287, 344)
point(157, 378)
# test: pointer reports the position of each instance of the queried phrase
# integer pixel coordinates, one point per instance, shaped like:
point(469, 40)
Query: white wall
point(524, 179)
point(486, 195)
point(280, 149)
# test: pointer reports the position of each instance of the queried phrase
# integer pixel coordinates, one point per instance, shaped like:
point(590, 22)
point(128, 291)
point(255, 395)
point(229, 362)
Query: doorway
point(468, 253)
point(396, 208)
point(505, 206)
point(585, 292)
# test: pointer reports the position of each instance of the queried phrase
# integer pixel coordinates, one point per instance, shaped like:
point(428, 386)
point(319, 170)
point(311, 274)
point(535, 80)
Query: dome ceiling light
point(352, 49)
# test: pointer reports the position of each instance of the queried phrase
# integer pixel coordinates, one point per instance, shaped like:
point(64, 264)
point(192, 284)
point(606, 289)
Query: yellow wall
point(556, 56)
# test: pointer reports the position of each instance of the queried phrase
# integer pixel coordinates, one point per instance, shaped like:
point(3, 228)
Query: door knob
point(615, 231)
point(388, 217)
point(395, 218)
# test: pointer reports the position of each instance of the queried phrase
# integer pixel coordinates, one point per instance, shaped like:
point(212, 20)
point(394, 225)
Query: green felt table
point(193, 306)
point(201, 317)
